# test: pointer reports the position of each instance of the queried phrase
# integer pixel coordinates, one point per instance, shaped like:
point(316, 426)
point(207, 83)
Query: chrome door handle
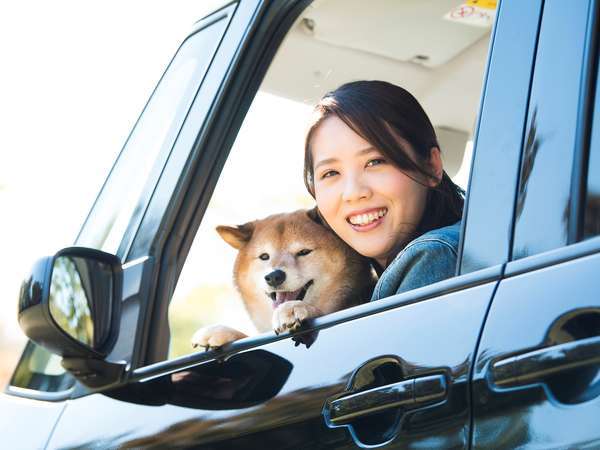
point(408, 394)
point(533, 367)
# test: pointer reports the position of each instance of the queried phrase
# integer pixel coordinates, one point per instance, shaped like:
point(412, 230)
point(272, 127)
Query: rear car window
point(41, 370)
point(591, 214)
point(543, 199)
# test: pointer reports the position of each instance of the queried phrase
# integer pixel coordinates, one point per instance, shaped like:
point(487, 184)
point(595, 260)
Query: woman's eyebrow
point(325, 161)
point(364, 151)
point(361, 152)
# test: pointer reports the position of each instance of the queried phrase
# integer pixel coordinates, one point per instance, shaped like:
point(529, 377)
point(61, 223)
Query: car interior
point(410, 43)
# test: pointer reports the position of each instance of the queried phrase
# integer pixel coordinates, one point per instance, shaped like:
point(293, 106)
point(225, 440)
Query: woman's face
point(372, 205)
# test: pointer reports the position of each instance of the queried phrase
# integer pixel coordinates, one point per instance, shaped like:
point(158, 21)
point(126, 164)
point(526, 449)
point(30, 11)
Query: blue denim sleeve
point(418, 265)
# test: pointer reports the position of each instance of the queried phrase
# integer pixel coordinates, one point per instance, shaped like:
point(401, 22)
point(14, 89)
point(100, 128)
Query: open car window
point(422, 47)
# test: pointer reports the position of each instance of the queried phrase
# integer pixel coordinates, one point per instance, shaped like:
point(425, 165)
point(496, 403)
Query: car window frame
point(160, 233)
point(226, 13)
point(187, 219)
point(514, 63)
point(575, 247)
point(581, 172)
point(583, 81)
point(36, 394)
point(587, 105)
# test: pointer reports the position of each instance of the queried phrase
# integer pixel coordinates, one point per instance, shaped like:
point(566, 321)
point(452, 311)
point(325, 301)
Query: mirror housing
point(70, 304)
point(242, 380)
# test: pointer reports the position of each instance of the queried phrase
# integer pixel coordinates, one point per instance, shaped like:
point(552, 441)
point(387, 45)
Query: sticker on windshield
point(488, 4)
point(479, 13)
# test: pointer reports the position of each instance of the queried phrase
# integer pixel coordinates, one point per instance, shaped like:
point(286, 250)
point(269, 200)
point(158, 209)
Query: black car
point(506, 354)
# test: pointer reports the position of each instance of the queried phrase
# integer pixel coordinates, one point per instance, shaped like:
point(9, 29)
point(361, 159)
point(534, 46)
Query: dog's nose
point(275, 278)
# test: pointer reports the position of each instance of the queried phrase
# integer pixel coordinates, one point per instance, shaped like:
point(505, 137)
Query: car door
point(395, 371)
point(537, 378)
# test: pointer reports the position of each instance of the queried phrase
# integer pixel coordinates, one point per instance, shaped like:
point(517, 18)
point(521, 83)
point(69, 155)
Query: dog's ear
point(315, 216)
point(238, 236)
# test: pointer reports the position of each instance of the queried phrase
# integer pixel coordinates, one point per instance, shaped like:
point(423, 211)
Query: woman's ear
point(435, 166)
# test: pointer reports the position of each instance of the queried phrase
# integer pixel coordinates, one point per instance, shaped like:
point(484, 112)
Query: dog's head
point(291, 256)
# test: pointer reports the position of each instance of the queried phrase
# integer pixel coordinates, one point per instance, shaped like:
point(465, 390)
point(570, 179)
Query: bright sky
point(75, 76)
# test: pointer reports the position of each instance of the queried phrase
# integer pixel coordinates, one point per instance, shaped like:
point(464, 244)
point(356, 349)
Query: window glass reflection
point(68, 301)
point(150, 142)
point(591, 222)
point(41, 370)
point(543, 198)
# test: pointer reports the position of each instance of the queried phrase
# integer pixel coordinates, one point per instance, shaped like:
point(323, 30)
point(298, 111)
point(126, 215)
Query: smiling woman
point(359, 190)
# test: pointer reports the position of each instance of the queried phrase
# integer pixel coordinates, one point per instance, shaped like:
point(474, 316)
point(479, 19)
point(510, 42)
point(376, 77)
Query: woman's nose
point(355, 188)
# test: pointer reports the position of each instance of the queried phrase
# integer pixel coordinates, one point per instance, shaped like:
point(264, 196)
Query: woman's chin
point(369, 250)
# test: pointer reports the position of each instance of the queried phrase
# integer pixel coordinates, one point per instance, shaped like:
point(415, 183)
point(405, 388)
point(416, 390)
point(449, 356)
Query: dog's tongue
point(284, 296)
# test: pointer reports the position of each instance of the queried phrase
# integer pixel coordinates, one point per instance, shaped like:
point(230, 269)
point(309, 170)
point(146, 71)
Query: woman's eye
point(375, 162)
point(303, 252)
point(328, 174)
point(264, 256)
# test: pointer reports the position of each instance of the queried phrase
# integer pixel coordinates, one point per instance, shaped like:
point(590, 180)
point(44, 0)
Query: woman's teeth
point(365, 219)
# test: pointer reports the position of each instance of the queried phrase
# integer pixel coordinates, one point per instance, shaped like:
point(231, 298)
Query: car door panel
point(430, 337)
point(26, 423)
point(539, 387)
point(550, 306)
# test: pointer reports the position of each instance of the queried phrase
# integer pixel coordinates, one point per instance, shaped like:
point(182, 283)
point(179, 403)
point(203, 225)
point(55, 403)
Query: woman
point(373, 164)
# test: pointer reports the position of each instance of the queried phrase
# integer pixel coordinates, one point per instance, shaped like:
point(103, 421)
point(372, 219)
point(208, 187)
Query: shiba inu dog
point(290, 267)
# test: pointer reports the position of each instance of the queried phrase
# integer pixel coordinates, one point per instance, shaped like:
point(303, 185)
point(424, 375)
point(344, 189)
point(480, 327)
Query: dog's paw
point(215, 336)
point(289, 315)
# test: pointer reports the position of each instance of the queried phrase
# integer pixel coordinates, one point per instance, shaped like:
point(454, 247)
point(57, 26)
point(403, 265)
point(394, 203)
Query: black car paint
point(436, 330)
point(292, 418)
point(548, 306)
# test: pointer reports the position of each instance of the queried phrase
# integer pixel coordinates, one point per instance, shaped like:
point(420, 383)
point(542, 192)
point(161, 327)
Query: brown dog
point(290, 268)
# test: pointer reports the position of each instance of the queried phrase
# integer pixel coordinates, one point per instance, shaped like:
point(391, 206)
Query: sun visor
point(393, 28)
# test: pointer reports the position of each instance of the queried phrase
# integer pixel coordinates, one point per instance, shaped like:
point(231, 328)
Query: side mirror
point(70, 304)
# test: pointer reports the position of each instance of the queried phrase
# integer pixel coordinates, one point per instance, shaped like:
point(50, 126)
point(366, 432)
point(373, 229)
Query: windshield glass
point(129, 185)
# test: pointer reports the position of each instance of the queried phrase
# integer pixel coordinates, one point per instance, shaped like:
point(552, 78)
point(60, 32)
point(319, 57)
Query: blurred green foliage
point(203, 305)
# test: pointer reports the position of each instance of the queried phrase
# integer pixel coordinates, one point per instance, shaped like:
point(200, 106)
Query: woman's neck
point(384, 261)
point(377, 266)
point(380, 265)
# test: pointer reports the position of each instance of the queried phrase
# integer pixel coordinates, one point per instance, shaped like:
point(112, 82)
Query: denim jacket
point(429, 258)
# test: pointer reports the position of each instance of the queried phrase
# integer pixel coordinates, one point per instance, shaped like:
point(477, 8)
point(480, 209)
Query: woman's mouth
point(368, 220)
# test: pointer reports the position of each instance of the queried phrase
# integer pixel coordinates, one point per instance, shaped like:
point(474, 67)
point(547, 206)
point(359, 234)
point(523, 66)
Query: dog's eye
point(264, 256)
point(303, 252)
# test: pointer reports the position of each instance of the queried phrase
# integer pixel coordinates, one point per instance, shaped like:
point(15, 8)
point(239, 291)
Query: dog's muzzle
point(280, 297)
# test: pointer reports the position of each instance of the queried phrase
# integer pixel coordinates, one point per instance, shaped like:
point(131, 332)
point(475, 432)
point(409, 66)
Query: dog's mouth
point(280, 297)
